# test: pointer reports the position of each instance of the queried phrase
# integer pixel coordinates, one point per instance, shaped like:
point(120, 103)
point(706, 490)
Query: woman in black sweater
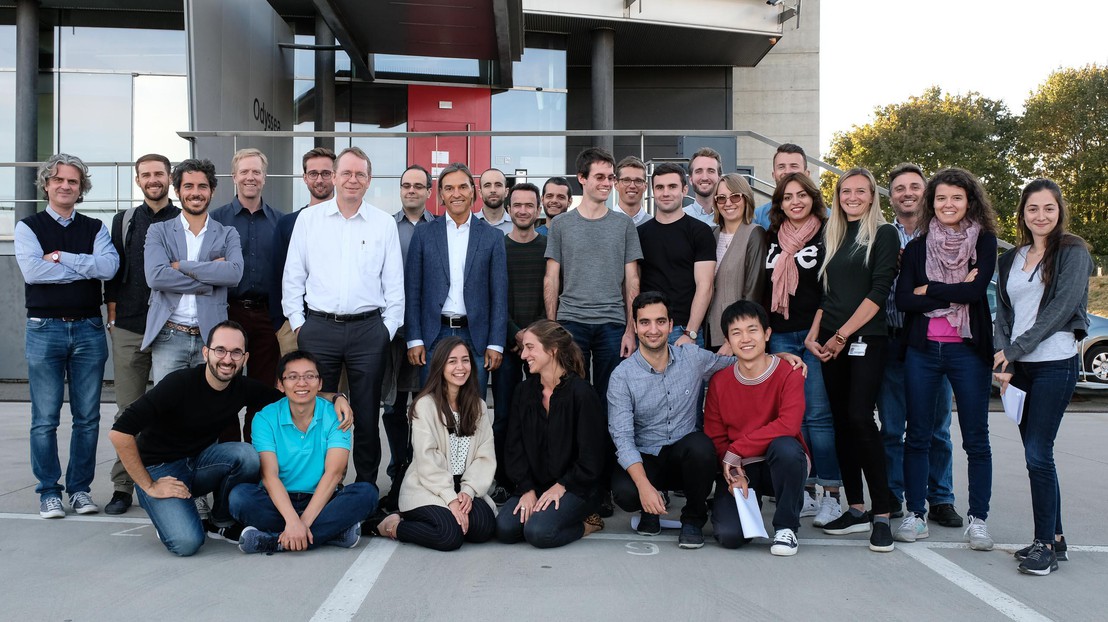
point(557, 437)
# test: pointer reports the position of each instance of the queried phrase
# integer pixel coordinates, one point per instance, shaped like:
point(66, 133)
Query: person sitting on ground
point(753, 415)
point(555, 445)
point(444, 496)
point(303, 455)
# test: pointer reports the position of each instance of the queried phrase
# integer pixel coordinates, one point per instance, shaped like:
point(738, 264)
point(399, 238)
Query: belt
point(455, 321)
point(334, 317)
point(251, 303)
point(191, 330)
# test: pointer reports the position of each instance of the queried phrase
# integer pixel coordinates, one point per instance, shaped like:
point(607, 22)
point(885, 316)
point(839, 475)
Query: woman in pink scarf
point(944, 278)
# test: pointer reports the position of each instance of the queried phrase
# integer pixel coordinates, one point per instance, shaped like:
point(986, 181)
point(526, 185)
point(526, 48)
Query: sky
point(878, 52)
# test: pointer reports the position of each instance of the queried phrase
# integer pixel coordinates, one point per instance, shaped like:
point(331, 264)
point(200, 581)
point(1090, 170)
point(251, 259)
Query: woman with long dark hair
point(740, 250)
point(557, 439)
point(444, 496)
point(943, 292)
point(1043, 292)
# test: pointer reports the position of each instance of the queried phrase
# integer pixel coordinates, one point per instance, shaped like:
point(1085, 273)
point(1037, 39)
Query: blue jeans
point(818, 427)
point(599, 345)
point(57, 350)
point(893, 412)
point(251, 505)
point(478, 361)
point(173, 350)
point(547, 529)
point(1049, 386)
point(218, 469)
point(969, 376)
point(679, 331)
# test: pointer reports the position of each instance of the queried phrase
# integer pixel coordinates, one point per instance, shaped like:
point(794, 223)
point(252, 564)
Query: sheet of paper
point(750, 515)
point(1013, 398)
point(665, 522)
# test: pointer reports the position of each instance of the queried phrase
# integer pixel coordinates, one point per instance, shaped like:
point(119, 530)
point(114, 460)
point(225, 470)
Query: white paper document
point(1013, 398)
point(750, 515)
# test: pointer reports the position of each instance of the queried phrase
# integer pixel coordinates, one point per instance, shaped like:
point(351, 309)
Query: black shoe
point(881, 538)
point(1040, 560)
point(849, 523)
point(231, 533)
point(945, 515)
point(692, 537)
point(1059, 551)
point(119, 503)
point(649, 524)
point(607, 506)
point(369, 525)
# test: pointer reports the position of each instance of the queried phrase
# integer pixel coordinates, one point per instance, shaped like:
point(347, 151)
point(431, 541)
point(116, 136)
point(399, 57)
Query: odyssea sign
point(269, 122)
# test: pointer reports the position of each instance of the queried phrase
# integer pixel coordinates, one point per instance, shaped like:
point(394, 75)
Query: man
point(64, 256)
point(705, 169)
point(592, 271)
point(456, 281)
point(303, 454)
point(906, 186)
point(344, 296)
point(167, 441)
point(526, 258)
point(679, 256)
point(319, 177)
point(631, 177)
point(556, 198)
point(789, 158)
point(248, 303)
point(652, 403)
point(494, 188)
point(753, 415)
point(190, 263)
point(128, 295)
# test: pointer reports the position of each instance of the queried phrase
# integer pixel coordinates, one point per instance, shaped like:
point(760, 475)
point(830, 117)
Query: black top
point(182, 415)
point(809, 289)
point(669, 253)
point(852, 279)
point(257, 233)
point(566, 446)
point(80, 298)
point(128, 289)
point(526, 269)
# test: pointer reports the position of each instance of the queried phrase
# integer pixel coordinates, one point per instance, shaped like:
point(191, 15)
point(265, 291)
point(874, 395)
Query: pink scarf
point(949, 254)
point(786, 276)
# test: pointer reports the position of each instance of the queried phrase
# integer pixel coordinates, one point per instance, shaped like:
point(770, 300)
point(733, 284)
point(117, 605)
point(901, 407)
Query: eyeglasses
point(735, 199)
point(417, 187)
point(296, 378)
point(627, 181)
point(360, 176)
point(320, 174)
point(220, 352)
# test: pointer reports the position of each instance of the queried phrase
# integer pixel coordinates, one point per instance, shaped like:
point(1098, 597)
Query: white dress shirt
point(457, 245)
point(185, 313)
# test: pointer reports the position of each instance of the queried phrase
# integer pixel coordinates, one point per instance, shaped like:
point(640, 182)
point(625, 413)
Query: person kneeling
point(303, 455)
point(753, 414)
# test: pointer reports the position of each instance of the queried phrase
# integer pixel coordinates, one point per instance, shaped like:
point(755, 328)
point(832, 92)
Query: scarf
point(786, 276)
point(949, 254)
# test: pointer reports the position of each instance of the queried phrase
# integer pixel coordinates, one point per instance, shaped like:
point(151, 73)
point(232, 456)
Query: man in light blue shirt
point(303, 455)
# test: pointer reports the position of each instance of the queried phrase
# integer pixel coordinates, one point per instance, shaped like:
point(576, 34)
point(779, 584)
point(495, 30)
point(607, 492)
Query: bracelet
point(840, 338)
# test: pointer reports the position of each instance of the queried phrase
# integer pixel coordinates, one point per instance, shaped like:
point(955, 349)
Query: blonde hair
point(737, 184)
point(835, 230)
point(248, 152)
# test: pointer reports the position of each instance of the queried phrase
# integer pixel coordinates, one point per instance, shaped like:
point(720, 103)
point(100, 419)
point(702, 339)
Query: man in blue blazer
point(456, 280)
point(190, 262)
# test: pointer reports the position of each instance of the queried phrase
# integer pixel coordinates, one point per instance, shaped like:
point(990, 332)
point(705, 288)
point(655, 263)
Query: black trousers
point(782, 473)
point(688, 465)
point(434, 527)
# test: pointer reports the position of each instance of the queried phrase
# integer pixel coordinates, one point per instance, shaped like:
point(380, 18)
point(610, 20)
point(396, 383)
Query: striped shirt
point(895, 316)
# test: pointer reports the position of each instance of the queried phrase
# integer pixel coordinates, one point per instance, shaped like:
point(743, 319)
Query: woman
point(556, 445)
point(849, 336)
point(443, 498)
point(795, 239)
point(942, 290)
point(740, 247)
point(1043, 290)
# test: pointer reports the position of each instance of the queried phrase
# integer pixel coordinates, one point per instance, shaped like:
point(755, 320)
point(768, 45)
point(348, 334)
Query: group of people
point(659, 327)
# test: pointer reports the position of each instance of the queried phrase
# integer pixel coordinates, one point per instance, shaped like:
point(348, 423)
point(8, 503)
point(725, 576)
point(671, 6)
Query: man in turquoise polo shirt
point(303, 455)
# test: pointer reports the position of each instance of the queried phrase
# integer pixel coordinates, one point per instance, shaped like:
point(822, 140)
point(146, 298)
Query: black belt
point(455, 321)
point(354, 317)
point(251, 303)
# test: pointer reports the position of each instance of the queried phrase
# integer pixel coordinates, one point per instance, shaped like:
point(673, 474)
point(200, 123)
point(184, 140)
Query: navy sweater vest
point(79, 299)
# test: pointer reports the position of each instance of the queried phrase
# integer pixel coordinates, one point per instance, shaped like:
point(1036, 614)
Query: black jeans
point(688, 465)
point(784, 472)
point(550, 528)
point(504, 382)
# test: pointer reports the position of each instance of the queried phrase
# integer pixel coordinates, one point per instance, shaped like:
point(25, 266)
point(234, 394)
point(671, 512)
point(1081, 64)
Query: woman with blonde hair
point(740, 252)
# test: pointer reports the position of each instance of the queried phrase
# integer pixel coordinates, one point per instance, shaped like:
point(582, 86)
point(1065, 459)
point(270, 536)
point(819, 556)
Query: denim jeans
point(57, 350)
point(599, 345)
point(969, 376)
point(893, 412)
point(251, 505)
point(218, 469)
point(818, 427)
point(547, 529)
point(1049, 386)
point(173, 350)
point(478, 357)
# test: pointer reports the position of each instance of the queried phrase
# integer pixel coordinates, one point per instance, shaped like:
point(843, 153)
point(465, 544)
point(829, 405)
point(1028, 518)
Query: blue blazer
point(427, 281)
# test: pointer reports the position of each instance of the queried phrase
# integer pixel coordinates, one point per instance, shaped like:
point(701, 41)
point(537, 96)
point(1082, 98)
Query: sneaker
point(347, 539)
point(810, 507)
point(82, 503)
point(691, 537)
point(499, 495)
point(254, 540)
point(202, 507)
point(119, 503)
point(232, 533)
point(1040, 560)
point(829, 510)
point(51, 507)
point(784, 543)
point(912, 528)
point(945, 515)
point(881, 538)
point(1059, 550)
point(848, 523)
point(649, 524)
point(977, 534)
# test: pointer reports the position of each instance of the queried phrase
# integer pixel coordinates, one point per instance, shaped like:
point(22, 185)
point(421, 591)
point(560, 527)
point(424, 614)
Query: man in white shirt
point(631, 184)
point(343, 293)
point(705, 169)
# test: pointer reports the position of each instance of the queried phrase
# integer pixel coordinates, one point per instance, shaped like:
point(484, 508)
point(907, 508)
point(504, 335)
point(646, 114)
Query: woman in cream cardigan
point(444, 496)
point(740, 252)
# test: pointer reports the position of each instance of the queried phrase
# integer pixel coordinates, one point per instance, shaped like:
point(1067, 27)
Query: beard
point(153, 194)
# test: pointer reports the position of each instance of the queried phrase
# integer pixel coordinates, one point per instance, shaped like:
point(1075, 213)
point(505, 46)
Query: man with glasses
point(631, 185)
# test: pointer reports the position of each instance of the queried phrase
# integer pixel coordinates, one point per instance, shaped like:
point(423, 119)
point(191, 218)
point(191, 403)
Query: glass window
point(7, 153)
point(540, 68)
point(304, 60)
point(427, 65)
point(94, 124)
point(161, 110)
point(529, 111)
point(122, 49)
point(7, 47)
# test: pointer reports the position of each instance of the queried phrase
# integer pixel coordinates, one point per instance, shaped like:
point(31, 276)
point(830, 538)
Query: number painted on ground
point(642, 548)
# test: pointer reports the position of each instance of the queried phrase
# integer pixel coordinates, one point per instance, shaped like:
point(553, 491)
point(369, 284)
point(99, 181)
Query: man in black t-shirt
point(167, 441)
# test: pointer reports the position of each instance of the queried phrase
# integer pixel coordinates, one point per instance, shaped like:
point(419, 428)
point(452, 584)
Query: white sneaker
point(784, 543)
point(810, 507)
point(829, 510)
point(977, 534)
point(912, 528)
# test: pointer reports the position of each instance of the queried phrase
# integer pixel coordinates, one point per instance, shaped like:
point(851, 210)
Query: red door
point(449, 109)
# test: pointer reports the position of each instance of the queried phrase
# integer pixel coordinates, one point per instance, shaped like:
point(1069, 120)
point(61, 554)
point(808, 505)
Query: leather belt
point(181, 328)
point(455, 321)
point(250, 303)
point(334, 317)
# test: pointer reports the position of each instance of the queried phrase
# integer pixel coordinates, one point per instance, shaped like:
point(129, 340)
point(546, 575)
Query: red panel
point(444, 108)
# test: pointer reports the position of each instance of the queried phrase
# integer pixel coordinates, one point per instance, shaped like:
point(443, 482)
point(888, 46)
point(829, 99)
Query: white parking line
point(351, 591)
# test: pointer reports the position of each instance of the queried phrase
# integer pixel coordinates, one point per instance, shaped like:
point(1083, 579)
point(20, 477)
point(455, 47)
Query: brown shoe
point(387, 526)
point(593, 524)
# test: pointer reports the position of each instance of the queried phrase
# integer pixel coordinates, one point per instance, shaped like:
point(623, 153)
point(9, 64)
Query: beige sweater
point(741, 275)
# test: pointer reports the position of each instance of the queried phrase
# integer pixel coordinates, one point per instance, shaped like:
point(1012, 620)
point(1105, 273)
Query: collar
point(400, 217)
point(331, 208)
point(481, 216)
point(647, 367)
point(450, 221)
point(237, 207)
point(61, 220)
point(284, 414)
point(185, 223)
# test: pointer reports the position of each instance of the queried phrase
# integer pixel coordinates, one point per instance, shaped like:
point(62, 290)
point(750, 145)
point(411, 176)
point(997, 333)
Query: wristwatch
point(56, 257)
point(335, 397)
point(691, 334)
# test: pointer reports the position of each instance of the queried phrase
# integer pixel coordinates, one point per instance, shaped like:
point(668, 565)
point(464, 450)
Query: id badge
point(858, 348)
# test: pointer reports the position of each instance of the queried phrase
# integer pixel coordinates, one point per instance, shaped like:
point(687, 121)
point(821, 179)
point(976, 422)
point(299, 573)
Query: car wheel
point(1096, 363)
